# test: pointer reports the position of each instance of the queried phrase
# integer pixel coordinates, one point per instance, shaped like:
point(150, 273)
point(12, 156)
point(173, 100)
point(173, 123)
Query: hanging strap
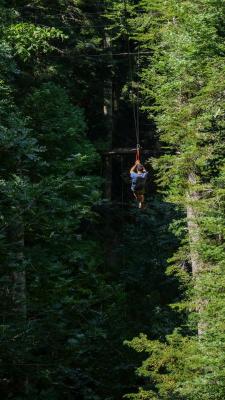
point(138, 155)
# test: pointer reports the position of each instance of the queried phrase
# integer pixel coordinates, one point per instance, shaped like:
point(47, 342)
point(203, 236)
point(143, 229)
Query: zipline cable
point(113, 54)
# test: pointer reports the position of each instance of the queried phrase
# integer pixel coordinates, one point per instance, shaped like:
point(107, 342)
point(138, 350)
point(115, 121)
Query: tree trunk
point(193, 228)
point(194, 240)
point(108, 114)
point(108, 177)
point(19, 298)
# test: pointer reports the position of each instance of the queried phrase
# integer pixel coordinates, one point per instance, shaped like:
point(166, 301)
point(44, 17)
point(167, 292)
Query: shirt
point(138, 178)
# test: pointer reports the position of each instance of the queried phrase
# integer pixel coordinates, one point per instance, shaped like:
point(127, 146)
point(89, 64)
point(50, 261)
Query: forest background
point(100, 300)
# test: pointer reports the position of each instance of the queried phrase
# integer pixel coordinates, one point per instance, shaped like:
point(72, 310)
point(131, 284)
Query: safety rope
point(138, 97)
point(136, 105)
point(132, 94)
point(138, 111)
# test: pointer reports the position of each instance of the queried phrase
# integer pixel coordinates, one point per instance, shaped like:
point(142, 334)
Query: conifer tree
point(185, 84)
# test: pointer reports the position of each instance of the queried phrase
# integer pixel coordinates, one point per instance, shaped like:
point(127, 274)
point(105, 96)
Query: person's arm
point(134, 166)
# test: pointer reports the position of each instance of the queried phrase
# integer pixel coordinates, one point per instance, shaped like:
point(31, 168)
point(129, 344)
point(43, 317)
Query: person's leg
point(135, 195)
point(139, 199)
point(143, 201)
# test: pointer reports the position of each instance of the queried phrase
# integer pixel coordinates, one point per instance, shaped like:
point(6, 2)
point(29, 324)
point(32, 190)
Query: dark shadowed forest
point(104, 296)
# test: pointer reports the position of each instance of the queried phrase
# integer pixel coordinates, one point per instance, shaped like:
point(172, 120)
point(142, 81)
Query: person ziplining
point(138, 172)
point(138, 176)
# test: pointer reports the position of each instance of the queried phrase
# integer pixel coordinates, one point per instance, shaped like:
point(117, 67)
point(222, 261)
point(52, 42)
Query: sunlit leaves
point(32, 40)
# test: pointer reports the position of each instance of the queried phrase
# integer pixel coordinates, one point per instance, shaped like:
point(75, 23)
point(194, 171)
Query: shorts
point(139, 192)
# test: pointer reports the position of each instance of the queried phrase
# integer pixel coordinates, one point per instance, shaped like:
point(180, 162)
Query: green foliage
point(30, 40)
point(184, 93)
point(79, 276)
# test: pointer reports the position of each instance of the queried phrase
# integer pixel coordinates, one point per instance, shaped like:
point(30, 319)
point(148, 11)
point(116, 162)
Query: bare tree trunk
point(193, 228)
point(194, 240)
point(108, 114)
point(108, 178)
point(19, 298)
